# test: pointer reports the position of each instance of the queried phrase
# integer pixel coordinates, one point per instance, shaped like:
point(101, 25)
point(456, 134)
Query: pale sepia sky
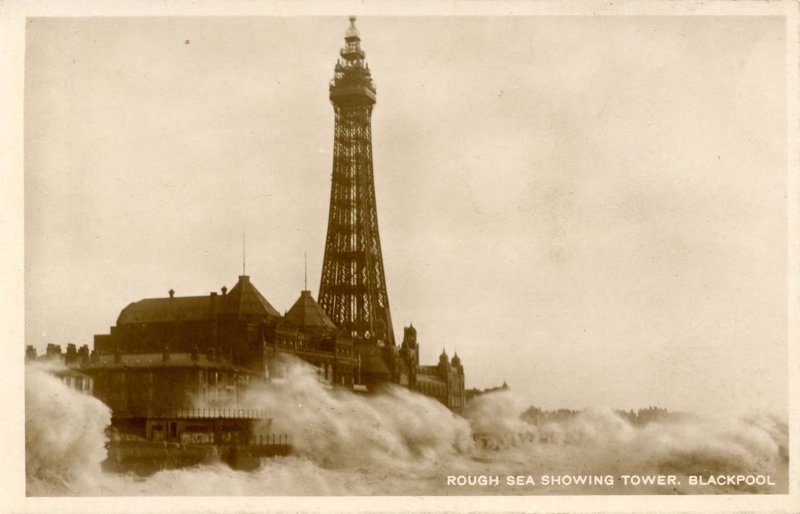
point(591, 208)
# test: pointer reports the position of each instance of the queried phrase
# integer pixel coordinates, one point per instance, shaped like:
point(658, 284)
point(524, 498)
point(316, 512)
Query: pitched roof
point(306, 313)
point(245, 300)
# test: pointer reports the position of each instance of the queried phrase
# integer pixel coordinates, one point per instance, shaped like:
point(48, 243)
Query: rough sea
point(402, 443)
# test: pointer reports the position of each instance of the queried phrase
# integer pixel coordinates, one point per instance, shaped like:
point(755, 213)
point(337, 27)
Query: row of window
point(430, 389)
point(315, 346)
point(79, 383)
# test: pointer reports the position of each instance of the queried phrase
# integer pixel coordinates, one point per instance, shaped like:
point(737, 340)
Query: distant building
point(475, 392)
point(70, 376)
point(445, 381)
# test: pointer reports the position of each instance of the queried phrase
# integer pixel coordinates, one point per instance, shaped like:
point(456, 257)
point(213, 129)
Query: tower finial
point(305, 271)
point(244, 254)
point(352, 31)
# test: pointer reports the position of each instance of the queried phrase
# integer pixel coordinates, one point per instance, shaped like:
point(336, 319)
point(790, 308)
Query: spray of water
point(400, 443)
point(64, 435)
point(600, 442)
point(338, 428)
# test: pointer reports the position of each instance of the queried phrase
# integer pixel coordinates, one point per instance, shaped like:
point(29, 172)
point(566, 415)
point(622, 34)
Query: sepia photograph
point(443, 255)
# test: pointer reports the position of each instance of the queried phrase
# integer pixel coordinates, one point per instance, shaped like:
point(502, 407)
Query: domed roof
point(352, 31)
point(456, 360)
point(443, 357)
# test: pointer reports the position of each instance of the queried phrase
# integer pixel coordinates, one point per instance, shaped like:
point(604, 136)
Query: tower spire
point(305, 271)
point(244, 254)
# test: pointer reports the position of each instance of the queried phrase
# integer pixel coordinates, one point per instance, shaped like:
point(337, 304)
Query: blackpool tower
point(352, 290)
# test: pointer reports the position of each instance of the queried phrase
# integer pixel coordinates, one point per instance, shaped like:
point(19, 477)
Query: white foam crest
point(338, 428)
point(601, 441)
point(64, 434)
point(496, 418)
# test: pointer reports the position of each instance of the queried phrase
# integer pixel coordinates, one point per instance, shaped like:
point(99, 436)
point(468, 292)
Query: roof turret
point(245, 300)
point(307, 314)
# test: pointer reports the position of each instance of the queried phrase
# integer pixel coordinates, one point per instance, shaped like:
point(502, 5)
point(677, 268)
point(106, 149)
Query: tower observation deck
point(353, 286)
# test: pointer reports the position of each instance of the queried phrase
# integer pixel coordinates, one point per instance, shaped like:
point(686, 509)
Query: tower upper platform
point(352, 83)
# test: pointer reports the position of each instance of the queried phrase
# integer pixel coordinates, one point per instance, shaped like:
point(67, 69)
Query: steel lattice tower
point(352, 290)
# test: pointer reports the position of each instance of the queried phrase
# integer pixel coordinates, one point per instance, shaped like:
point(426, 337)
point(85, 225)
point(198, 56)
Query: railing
point(212, 412)
point(269, 439)
point(352, 51)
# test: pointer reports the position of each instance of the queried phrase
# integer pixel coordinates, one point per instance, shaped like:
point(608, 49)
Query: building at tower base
point(177, 352)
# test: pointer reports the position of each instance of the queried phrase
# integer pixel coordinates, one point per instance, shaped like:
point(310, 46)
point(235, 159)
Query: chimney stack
point(72, 354)
point(213, 299)
point(83, 354)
